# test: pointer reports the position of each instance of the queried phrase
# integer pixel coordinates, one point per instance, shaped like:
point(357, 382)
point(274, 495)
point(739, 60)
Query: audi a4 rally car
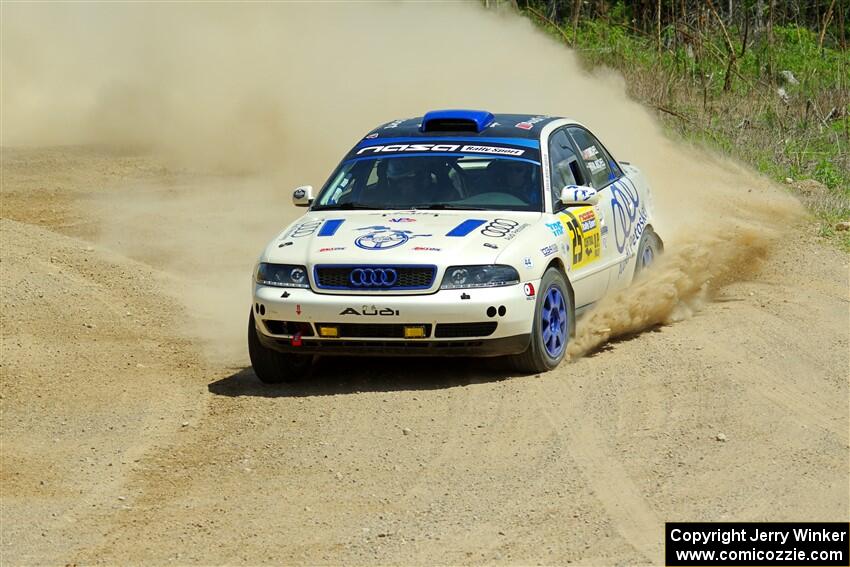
point(457, 233)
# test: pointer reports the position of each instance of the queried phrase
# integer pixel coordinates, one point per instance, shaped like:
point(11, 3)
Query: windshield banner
point(507, 147)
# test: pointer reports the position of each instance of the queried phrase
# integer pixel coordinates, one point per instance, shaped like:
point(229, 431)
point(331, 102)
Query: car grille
point(456, 330)
point(374, 330)
point(397, 277)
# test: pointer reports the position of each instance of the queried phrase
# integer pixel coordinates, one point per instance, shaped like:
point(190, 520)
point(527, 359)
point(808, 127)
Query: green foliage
point(796, 50)
point(782, 136)
point(828, 174)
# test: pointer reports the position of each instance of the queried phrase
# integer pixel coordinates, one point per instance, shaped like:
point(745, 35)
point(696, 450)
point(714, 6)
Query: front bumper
point(348, 347)
point(469, 322)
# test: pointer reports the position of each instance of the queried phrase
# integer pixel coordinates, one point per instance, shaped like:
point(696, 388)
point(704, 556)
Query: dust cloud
point(675, 288)
point(728, 242)
point(242, 103)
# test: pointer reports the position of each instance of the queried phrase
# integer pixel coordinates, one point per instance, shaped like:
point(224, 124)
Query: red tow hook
point(296, 339)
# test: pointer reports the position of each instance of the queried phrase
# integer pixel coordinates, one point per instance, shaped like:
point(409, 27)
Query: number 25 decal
point(584, 230)
point(577, 237)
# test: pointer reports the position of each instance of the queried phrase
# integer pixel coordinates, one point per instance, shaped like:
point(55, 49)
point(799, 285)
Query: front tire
point(272, 367)
point(554, 318)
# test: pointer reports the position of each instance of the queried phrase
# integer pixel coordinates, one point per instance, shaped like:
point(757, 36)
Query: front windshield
point(434, 182)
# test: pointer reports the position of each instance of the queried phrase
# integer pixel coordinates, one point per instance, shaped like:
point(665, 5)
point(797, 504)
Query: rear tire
point(272, 367)
point(649, 249)
point(554, 318)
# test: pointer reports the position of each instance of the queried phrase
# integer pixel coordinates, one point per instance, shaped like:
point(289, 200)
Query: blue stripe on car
point(330, 227)
point(465, 227)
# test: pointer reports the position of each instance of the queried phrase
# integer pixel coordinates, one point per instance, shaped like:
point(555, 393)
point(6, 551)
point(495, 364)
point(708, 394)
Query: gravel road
point(126, 441)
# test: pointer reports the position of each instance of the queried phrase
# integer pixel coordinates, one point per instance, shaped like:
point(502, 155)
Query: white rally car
point(458, 233)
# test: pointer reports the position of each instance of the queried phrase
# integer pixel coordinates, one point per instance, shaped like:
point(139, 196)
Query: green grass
point(806, 135)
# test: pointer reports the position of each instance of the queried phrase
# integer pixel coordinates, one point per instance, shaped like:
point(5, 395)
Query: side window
point(563, 166)
point(603, 170)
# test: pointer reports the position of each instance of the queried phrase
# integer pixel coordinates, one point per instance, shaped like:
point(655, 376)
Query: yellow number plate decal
point(583, 224)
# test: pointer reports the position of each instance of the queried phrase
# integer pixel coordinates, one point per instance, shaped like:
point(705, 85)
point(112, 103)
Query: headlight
point(282, 275)
point(458, 277)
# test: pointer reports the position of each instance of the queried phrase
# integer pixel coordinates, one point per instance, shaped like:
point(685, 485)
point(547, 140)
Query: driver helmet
point(401, 169)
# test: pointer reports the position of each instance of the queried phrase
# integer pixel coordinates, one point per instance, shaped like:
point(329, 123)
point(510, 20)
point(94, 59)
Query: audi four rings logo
point(305, 229)
point(498, 228)
point(373, 277)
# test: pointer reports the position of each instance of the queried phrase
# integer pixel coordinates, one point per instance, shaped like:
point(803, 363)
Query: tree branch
point(551, 23)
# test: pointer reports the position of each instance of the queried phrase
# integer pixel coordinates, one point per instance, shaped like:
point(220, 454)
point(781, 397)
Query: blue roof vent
point(456, 121)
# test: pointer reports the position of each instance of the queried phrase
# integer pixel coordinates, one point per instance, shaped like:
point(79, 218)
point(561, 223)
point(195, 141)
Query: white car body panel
point(595, 246)
point(427, 243)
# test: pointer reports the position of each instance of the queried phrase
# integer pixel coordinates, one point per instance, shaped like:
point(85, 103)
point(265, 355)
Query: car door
point(580, 239)
point(605, 175)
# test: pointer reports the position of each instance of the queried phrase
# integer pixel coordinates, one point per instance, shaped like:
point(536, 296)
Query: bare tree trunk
point(826, 20)
point(658, 25)
point(727, 80)
point(817, 19)
point(770, 41)
point(746, 32)
point(576, 14)
point(602, 10)
point(700, 56)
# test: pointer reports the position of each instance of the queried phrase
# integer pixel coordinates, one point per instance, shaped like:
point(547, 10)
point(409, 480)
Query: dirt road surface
point(123, 442)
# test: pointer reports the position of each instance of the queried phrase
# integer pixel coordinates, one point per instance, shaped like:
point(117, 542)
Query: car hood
point(440, 238)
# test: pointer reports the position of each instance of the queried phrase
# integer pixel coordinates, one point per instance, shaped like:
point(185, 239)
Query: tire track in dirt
point(609, 482)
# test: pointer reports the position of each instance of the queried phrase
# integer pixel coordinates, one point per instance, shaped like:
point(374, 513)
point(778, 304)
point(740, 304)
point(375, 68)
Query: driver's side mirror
point(575, 195)
point(302, 196)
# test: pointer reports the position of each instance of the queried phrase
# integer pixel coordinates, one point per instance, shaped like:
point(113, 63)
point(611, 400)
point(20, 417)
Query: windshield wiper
point(445, 206)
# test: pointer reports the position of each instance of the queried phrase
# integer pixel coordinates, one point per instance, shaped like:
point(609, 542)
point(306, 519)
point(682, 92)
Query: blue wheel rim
point(553, 322)
point(648, 256)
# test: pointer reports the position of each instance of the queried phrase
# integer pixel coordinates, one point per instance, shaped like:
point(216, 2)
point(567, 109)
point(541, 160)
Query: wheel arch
point(655, 232)
point(558, 264)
